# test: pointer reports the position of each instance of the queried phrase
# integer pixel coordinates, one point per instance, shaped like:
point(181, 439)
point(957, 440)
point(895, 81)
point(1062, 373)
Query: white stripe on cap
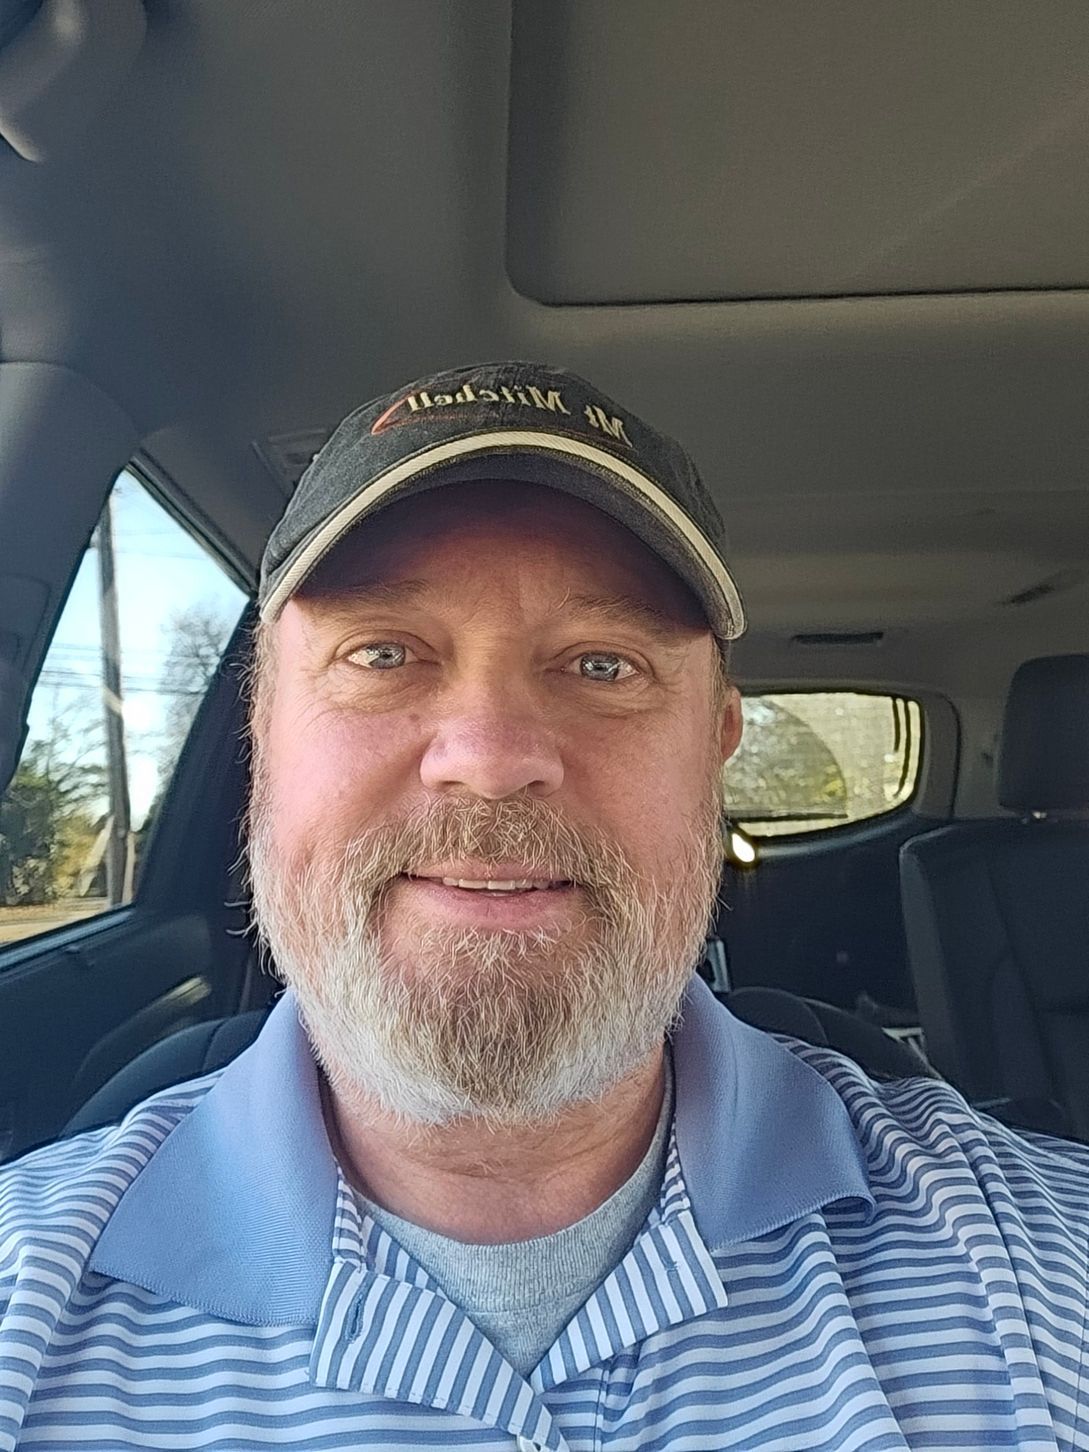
point(516, 441)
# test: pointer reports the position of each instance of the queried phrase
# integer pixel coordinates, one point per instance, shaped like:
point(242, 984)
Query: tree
point(47, 815)
point(197, 637)
point(783, 771)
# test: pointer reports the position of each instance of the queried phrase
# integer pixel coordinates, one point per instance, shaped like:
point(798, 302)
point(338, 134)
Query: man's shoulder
point(55, 1201)
point(912, 1127)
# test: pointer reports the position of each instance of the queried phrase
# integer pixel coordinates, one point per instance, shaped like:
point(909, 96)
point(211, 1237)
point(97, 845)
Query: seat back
point(198, 1050)
point(187, 1054)
point(997, 917)
point(814, 1022)
point(997, 920)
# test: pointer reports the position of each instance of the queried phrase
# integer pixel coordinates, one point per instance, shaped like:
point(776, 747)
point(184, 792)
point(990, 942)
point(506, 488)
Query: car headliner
point(841, 251)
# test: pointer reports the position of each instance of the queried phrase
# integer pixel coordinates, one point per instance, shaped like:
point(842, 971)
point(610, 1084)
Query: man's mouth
point(492, 884)
point(520, 903)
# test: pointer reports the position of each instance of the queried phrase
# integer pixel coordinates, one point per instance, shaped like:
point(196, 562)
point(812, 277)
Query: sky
point(160, 569)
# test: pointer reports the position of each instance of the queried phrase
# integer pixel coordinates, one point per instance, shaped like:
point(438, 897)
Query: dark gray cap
point(526, 422)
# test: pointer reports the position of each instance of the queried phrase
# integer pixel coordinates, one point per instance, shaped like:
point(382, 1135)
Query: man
point(520, 1182)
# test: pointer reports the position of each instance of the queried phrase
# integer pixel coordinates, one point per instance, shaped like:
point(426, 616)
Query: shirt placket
point(667, 1277)
point(387, 1329)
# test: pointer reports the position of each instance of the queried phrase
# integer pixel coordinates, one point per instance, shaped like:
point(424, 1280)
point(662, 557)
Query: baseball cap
point(521, 421)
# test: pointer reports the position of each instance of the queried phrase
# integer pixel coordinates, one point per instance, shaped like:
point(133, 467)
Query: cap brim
point(553, 461)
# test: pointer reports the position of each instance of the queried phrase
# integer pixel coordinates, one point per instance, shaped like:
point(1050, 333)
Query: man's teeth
point(522, 885)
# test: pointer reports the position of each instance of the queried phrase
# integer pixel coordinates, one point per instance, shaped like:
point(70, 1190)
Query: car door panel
point(78, 1003)
point(80, 1008)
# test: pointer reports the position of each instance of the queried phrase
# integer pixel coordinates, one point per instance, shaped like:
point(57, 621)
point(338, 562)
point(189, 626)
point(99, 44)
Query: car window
point(146, 621)
point(811, 761)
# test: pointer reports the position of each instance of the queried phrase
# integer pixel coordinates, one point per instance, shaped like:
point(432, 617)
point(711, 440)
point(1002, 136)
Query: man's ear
point(730, 723)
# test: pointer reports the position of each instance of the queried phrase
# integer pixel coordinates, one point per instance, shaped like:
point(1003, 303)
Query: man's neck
point(489, 1186)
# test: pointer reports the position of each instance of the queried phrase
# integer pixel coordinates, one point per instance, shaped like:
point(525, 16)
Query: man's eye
point(600, 665)
point(385, 655)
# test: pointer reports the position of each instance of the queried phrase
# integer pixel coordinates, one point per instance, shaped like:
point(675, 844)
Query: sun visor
point(693, 152)
point(62, 442)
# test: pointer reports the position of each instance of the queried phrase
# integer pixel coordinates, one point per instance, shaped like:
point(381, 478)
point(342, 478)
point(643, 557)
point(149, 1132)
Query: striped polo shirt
point(832, 1263)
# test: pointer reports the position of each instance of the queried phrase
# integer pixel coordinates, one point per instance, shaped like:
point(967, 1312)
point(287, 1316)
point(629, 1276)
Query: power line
point(72, 682)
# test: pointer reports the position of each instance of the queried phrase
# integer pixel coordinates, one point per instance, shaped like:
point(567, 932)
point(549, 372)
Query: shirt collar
point(234, 1212)
point(763, 1139)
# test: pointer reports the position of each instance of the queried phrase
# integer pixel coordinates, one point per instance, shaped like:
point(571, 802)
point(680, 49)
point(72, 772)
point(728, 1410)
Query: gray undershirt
point(522, 1294)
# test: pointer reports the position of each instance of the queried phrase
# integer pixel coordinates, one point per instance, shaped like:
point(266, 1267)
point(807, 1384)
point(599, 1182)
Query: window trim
point(169, 495)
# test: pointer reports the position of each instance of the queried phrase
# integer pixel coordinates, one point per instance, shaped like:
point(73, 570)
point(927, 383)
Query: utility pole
point(119, 848)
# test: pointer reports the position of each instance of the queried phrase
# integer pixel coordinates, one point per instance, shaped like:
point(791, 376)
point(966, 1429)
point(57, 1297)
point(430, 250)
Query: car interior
point(838, 250)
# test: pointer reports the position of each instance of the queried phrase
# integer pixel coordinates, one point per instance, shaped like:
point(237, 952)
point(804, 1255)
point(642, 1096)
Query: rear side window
point(811, 761)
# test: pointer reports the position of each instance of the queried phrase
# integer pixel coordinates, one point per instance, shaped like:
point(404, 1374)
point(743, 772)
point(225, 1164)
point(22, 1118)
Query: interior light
point(741, 850)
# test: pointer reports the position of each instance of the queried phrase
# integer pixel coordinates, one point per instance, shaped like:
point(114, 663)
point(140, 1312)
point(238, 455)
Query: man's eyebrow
point(343, 604)
point(628, 610)
point(340, 601)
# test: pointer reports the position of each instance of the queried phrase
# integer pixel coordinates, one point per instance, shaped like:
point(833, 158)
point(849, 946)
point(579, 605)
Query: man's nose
point(492, 745)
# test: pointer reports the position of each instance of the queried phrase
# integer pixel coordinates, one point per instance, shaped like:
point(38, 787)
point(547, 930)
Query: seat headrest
point(777, 1012)
point(1043, 759)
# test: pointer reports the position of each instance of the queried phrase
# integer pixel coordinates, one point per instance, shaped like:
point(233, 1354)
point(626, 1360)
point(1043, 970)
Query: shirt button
point(525, 1444)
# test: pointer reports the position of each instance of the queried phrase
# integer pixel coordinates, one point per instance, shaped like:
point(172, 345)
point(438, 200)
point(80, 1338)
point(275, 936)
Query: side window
point(145, 624)
point(815, 760)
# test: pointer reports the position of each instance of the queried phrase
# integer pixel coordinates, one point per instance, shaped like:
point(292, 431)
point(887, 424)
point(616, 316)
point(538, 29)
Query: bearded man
point(499, 1172)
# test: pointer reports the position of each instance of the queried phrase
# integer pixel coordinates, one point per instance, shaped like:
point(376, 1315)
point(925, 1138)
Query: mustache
point(534, 833)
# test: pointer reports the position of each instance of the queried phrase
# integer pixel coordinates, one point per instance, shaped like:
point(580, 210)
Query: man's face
point(488, 684)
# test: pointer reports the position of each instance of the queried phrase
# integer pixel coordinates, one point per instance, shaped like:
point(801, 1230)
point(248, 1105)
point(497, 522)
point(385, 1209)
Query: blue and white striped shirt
point(832, 1264)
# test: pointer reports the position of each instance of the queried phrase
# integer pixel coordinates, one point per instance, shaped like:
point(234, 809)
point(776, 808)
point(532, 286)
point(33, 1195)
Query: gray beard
point(505, 1027)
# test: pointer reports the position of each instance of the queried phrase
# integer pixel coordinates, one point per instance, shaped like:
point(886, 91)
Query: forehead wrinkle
point(368, 592)
point(340, 603)
point(341, 608)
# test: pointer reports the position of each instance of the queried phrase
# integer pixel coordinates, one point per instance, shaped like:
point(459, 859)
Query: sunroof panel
point(719, 149)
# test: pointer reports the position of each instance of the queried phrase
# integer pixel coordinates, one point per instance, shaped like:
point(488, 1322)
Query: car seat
point(198, 1050)
point(997, 917)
